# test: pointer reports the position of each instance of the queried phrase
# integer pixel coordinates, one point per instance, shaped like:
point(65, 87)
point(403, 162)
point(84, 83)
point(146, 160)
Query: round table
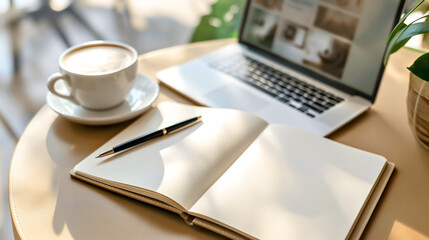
point(46, 203)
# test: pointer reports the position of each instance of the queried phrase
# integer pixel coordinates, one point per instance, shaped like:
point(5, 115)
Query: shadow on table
point(116, 216)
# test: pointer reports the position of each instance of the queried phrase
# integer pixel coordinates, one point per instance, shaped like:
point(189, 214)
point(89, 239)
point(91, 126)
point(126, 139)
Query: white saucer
point(140, 98)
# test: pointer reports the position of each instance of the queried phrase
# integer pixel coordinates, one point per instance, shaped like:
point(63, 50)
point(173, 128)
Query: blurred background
point(33, 33)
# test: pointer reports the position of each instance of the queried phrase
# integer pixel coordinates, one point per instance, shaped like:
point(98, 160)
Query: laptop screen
point(338, 40)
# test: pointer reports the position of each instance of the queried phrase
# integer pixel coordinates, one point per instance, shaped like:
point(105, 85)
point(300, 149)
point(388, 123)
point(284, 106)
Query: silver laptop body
point(313, 64)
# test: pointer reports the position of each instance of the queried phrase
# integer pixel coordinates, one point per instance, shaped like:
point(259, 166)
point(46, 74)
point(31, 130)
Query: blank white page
point(290, 184)
point(181, 166)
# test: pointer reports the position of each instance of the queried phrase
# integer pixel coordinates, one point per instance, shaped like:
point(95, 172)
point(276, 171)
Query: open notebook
point(237, 175)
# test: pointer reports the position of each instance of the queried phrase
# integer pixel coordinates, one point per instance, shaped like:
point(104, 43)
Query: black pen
point(158, 133)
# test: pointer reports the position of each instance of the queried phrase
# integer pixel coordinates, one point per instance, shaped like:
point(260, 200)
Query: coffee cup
point(97, 74)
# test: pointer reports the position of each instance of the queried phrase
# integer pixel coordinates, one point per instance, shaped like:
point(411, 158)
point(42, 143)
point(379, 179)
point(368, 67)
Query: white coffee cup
point(98, 74)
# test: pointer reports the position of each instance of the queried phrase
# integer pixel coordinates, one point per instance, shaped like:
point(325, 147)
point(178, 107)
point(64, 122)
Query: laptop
point(312, 64)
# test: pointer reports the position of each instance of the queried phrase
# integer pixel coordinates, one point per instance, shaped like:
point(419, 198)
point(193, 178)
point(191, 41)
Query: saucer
point(141, 97)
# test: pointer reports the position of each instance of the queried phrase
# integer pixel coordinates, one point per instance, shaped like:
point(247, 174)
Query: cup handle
point(51, 85)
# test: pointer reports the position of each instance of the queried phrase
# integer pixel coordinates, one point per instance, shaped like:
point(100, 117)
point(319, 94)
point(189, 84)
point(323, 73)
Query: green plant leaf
point(401, 23)
point(397, 31)
point(420, 67)
point(412, 30)
point(399, 38)
point(392, 41)
point(222, 22)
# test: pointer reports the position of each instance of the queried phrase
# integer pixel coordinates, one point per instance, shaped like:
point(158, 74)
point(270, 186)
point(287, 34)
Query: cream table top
point(46, 203)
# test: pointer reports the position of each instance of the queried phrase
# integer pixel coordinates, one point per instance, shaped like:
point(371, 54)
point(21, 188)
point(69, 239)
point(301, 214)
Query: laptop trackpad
point(231, 96)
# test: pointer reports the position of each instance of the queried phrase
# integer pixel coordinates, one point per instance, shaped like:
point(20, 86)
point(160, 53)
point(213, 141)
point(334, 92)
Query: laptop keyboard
point(298, 94)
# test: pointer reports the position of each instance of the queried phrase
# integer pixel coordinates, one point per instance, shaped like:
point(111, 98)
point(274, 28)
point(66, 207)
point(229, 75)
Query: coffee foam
point(97, 59)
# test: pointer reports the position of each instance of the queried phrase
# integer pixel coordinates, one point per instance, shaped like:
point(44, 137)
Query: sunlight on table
point(401, 231)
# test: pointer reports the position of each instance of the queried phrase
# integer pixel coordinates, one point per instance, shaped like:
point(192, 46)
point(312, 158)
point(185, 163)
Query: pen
point(156, 134)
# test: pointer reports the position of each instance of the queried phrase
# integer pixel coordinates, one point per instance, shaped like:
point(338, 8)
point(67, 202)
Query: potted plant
point(418, 92)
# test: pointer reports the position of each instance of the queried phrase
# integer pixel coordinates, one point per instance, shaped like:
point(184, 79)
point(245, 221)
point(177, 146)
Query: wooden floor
point(148, 25)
